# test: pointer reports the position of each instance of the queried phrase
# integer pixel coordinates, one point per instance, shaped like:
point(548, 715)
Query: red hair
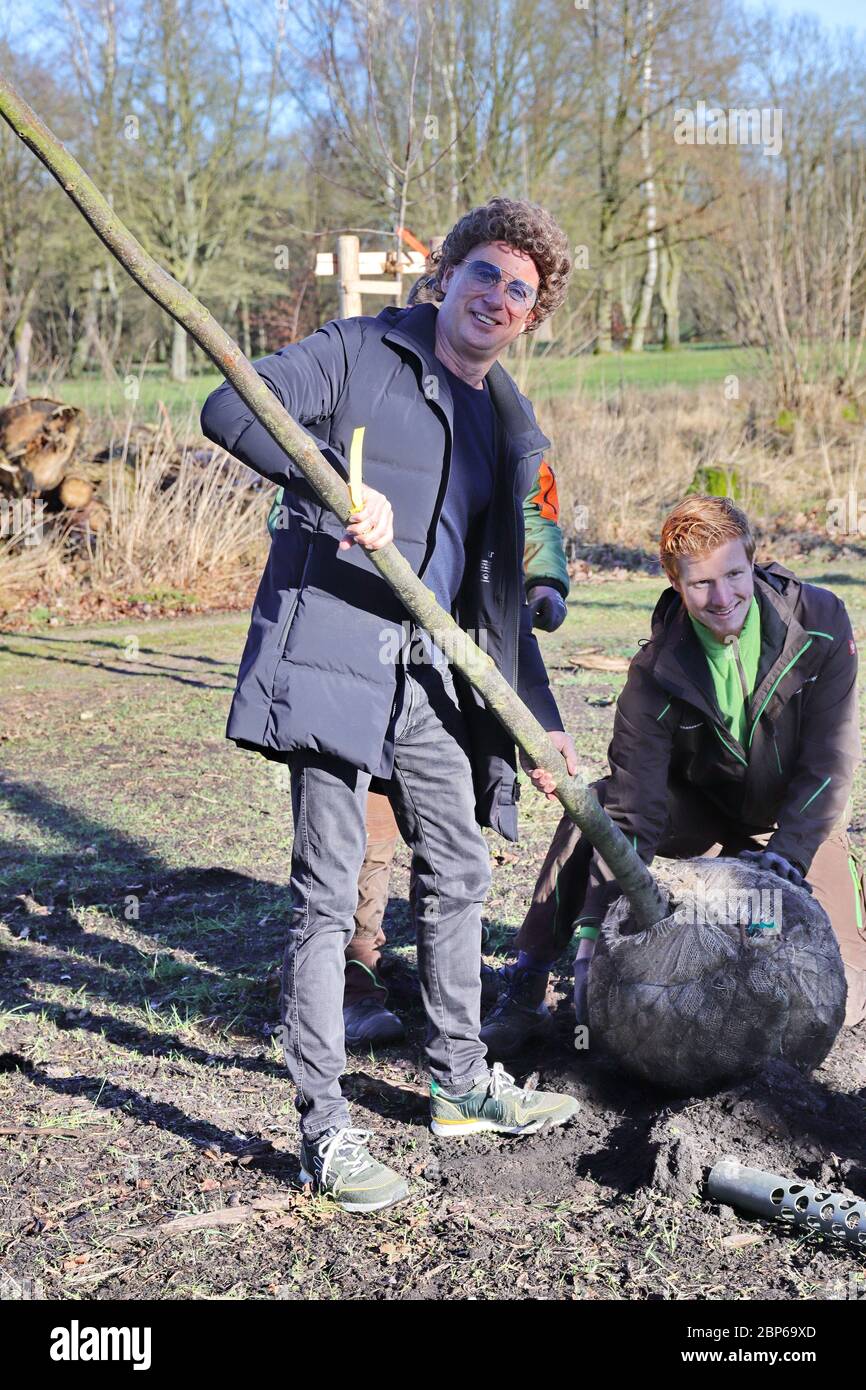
point(699, 524)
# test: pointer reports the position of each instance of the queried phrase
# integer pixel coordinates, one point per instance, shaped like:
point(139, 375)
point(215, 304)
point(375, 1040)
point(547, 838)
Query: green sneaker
point(339, 1166)
point(496, 1103)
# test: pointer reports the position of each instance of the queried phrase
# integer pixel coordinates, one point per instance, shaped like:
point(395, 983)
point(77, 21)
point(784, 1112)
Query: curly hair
point(525, 227)
point(699, 524)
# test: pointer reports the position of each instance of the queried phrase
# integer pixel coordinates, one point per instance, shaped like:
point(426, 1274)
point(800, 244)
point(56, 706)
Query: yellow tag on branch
point(355, 468)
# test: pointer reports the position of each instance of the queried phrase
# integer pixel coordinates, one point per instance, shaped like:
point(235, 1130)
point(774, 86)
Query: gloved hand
point(775, 864)
point(547, 606)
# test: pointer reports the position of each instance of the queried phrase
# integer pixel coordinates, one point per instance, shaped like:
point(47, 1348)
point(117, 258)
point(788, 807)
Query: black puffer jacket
point(312, 674)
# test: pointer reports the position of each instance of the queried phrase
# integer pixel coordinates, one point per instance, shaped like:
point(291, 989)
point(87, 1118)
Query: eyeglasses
point(484, 275)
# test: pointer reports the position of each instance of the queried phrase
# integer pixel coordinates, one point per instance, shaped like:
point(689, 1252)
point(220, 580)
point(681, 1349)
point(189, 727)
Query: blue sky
point(19, 20)
point(834, 13)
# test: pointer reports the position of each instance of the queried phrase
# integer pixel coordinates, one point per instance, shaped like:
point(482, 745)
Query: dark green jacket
point(793, 772)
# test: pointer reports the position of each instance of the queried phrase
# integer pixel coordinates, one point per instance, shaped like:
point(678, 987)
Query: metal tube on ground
point(788, 1199)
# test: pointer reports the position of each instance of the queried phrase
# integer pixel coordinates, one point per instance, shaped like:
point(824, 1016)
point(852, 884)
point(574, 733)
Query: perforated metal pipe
point(788, 1199)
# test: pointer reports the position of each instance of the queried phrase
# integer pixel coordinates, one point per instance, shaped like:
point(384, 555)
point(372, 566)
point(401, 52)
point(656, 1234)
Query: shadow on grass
point(114, 646)
point(133, 669)
point(162, 1115)
point(232, 923)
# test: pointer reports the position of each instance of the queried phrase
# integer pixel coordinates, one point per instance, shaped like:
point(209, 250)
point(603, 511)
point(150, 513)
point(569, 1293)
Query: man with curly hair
point(367, 1020)
point(329, 682)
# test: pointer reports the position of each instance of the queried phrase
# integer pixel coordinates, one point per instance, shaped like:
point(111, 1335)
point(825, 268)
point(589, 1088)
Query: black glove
point(548, 607)
point(776, 864)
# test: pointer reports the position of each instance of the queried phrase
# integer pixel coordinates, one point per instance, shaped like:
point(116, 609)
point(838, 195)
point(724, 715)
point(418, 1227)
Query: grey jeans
point(434, 804)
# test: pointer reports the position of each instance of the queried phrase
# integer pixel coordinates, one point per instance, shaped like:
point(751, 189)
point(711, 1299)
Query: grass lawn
point(548, 376)
point(649, 370)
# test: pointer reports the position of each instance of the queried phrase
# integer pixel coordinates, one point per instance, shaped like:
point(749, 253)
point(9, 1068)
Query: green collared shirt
point(734, 668)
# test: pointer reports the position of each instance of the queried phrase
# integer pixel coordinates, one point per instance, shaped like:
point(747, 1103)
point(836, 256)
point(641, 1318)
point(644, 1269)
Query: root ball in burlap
point(744, 968)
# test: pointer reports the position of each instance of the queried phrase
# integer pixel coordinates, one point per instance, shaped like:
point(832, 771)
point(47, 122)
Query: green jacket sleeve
point(544, 559)
point(273, 514)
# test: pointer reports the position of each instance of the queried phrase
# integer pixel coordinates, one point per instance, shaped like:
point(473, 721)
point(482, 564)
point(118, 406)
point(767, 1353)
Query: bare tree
point(192, 141)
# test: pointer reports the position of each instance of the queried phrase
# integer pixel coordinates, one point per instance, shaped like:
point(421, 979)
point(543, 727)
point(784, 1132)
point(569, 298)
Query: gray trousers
point(434, 804)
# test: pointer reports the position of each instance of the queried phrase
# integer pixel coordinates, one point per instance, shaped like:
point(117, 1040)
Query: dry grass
point(210, 520)
point(203, 535)
point(621, 462)
point(627, 459)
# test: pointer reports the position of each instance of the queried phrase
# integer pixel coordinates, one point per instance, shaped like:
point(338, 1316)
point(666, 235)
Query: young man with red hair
point(736, 733)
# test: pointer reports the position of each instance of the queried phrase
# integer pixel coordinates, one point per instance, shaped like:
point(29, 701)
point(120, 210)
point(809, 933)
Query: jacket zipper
point(770, 692)
point(294, 604)
point(764, 702)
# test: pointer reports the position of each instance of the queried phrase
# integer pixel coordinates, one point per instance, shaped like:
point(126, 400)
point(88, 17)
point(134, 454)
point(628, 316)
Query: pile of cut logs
point(42, 455)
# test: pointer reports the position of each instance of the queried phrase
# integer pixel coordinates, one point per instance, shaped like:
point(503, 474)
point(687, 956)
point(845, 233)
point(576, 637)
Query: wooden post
point(349, 275)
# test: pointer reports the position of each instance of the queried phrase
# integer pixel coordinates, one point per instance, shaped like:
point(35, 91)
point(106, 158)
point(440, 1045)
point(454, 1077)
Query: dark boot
point(366, 1020)
point(520, 1015)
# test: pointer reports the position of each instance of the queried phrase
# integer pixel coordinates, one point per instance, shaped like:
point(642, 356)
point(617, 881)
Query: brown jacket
point(793, 774)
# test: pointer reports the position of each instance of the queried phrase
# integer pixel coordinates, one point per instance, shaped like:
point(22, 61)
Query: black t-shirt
point(470, 487)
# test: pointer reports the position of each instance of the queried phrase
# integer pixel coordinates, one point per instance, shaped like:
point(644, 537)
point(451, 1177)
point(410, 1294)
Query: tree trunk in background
point(89, 327)
point(604, 302)
point(639, 328)
point(178, 354)
point(670, 269)
point(22, 340)
point(246, 337)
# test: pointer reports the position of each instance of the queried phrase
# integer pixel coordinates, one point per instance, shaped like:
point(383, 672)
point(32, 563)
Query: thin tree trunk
point(604, 301)
point(634, 878)
point(670, 269)
point(178, 353)
point(22, 339)
point(652, 256)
